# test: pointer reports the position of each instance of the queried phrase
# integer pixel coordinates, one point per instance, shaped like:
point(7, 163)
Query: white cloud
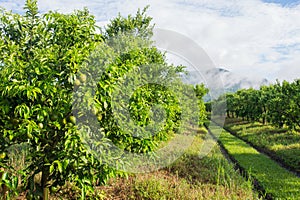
point(238, 35)
point(16, 6)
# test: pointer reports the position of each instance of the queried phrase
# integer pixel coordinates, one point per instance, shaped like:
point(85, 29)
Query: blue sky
point(249, 37)
point(283, 2)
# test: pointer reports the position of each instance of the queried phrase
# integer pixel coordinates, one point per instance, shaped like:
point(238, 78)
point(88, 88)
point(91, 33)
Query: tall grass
point(190, 177)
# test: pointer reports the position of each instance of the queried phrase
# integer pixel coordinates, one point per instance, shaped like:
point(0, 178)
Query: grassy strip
point(281, 144)
point(276, 181)
point(190, 177)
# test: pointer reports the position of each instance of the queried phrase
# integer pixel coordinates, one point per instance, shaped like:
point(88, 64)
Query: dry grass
point(190, 177)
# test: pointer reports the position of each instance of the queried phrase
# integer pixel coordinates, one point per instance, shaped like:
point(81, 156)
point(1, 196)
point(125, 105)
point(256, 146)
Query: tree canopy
point(44, 59)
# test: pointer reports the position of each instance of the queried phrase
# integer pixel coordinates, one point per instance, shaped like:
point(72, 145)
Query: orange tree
point(135, 77)
point(276, 104)
point(200, 90)
point(40, 60)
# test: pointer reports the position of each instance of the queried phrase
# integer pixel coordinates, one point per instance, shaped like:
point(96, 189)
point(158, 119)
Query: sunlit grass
point(276, 181)
point(282, 143)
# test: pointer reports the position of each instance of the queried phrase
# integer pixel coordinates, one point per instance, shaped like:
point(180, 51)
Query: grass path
point(277, 182)
point(280, 144)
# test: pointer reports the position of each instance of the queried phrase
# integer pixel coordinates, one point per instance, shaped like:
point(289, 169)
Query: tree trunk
point(45, 175)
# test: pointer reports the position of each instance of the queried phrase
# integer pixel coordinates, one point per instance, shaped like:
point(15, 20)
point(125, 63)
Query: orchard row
point(278, 104)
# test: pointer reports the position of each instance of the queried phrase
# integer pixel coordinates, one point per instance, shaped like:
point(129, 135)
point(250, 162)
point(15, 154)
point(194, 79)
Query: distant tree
point(201, 91)
point(276, 104)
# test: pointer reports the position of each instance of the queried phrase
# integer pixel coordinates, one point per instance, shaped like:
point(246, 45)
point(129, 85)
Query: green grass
point(190, 177)
point(276, 181)
point(282, 144)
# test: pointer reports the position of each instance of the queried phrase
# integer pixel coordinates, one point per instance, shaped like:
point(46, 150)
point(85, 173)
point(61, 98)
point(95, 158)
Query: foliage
point(277, 104)
point(134, 93)
point(39, 59)
point(135, 76)
point(138, 25)
point(43, 58)
point(200, 91)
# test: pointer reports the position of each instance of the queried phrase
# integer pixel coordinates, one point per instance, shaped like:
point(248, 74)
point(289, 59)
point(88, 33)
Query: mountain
point(220, 80)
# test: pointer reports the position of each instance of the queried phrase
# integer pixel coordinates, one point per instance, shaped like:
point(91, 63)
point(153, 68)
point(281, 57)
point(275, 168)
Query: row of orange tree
point(278, 104)
point(44, 59)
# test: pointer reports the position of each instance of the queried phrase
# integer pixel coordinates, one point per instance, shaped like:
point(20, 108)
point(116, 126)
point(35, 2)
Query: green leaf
point(51, 169)
point(59, 165)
